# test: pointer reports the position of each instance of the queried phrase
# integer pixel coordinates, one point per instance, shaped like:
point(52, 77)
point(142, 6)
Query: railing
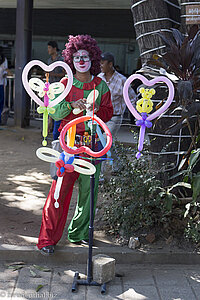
point(9, 92)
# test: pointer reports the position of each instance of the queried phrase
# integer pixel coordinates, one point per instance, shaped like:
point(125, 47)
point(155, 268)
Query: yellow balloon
point(44, 143)
point(139, 105)
point(145, 105)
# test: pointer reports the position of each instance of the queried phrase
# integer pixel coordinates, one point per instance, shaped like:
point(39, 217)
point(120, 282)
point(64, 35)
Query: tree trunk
point(148, 41)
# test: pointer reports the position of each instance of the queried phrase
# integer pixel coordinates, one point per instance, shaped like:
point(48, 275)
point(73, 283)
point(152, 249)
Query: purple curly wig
point(84, 42)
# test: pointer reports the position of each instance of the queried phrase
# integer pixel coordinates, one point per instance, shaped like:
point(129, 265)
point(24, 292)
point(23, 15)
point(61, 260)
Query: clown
point(83, 56)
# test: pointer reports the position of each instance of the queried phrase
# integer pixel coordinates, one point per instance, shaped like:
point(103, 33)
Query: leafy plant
point(182, 58)
point(181, 63)
point(135, 199)
point(190, 175)
point(192, 211)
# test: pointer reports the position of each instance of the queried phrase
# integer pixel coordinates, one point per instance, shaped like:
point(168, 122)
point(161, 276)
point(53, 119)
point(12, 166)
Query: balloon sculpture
point(65, 161)
point(145, 105)
point(46, 90)
point(85, 149)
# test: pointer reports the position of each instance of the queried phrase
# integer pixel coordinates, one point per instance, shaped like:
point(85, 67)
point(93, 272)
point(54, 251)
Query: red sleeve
point(105, 111)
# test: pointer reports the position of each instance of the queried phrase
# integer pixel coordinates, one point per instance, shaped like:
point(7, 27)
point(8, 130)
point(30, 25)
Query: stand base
point(77, 281)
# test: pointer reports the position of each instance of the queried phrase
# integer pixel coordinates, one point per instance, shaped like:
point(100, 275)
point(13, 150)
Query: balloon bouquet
point(145, 105)
point(66, 161)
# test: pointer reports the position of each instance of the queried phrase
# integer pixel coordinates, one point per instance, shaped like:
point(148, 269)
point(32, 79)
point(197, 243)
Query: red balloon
point(85, 149)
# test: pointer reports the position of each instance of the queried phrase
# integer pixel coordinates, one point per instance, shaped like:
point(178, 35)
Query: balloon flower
point(145, 105)
point(46, 90)
point(66, 161)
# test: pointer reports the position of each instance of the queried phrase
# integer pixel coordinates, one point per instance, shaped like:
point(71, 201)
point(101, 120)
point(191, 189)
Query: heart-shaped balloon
point(148, 83)
point(47, 69)
point(144, 119)
point(85, 149)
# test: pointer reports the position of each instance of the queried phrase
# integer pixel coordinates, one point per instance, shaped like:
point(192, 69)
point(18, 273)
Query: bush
point(192, 212)
point(135, 198)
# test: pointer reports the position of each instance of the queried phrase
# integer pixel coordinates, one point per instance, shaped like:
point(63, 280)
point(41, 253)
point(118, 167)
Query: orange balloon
point(71, 136)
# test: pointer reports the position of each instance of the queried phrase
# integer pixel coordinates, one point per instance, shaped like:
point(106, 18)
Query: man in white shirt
point(115, 82)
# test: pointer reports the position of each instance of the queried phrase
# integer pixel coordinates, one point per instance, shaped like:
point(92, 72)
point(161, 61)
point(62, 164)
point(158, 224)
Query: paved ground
point(133, 282)
point(24, 184)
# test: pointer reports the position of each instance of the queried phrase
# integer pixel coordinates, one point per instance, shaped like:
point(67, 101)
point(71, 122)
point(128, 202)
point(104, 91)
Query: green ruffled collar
point(86, 85)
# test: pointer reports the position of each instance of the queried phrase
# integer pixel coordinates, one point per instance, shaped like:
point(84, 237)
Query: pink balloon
point(47, 69)
point(153, 115)
point(148, 83)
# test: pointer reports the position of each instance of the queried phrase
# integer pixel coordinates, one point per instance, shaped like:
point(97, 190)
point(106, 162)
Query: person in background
point(115, 82)
point(3, 72)
point(118, 69)
point(54, 76)
point(83, 56)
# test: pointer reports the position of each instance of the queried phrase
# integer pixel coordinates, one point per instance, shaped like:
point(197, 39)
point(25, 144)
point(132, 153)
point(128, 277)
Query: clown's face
point(81, 61)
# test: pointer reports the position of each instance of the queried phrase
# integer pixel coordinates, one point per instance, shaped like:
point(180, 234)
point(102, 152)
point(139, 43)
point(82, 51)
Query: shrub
point(135, 198)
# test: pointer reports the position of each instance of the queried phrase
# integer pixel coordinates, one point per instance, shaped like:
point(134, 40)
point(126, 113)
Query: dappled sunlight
point(25, 202)
point(102, 236)
point(30, 191)
point(71, 274)
point(10, 247)
point(30, 176)
point(131, 294)
point(195, 277)
point(29, 239)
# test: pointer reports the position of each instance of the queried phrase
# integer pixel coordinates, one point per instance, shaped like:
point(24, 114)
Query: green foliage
point(192, 230)
point(192, 211)
point(135, 198)
point(137, 201)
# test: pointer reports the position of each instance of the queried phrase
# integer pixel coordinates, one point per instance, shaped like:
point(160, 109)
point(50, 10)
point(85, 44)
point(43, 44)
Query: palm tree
point(149, 17)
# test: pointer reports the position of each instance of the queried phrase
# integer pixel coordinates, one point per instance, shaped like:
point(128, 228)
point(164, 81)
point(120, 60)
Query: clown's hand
point(96, 107)
point(79, 104)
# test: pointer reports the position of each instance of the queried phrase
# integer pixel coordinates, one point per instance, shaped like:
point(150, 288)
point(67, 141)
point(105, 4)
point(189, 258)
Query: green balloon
point(44, 143)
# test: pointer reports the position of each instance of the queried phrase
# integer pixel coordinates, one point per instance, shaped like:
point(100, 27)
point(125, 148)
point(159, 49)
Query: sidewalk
point(24, 184)
point(132, 282)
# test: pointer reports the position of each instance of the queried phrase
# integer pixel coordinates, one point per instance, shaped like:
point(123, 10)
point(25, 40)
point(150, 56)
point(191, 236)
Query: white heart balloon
point(47, 69)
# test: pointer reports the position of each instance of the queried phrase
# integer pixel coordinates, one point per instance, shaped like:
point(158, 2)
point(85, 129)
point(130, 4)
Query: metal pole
point(77, 281)
point(23, 47)
point(91, 225)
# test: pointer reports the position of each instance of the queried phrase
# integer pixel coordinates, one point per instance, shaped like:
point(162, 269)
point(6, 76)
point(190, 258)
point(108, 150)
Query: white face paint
point(81, 61)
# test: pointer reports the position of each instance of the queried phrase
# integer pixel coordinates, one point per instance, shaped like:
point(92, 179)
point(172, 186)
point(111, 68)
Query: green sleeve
point(63, 109)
